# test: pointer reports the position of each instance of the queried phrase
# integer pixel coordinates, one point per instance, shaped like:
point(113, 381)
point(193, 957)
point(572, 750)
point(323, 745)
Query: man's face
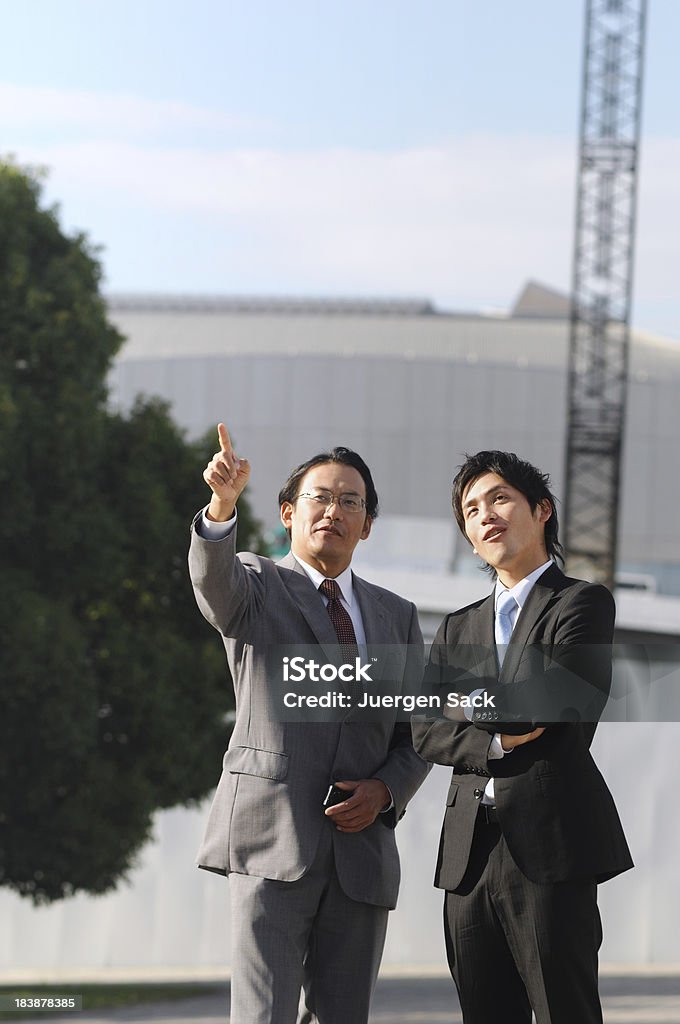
point(325, 538)
point(503, 530)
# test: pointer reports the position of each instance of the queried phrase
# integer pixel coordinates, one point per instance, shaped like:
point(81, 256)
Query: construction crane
point(602, 282)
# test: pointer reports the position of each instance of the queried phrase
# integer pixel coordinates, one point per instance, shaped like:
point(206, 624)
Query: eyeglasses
point(347, 502)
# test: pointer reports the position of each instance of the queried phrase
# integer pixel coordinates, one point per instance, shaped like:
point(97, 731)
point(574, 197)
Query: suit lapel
point(377, 628)
point(309, 601)
point(483, 644)
point(540, 596)
point(373, 614)
point(486, 620)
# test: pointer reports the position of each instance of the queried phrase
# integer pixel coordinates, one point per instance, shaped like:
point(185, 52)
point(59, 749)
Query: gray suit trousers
point(307, 934)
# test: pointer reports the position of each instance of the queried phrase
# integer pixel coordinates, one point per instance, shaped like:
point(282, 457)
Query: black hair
point(534, 485)
point(346, 457)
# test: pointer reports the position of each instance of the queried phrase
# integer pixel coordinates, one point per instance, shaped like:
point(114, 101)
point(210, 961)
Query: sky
point(372, 148)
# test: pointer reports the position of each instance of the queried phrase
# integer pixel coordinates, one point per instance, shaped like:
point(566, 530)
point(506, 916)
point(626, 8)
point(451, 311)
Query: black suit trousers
point(514, 944)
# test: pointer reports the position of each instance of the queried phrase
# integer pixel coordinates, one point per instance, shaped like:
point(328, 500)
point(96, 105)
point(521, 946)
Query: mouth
point(494, 534)
point(332, 530)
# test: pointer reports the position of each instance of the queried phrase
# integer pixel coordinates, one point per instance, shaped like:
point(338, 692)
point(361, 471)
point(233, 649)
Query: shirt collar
point(344, 580)
point(521, 590)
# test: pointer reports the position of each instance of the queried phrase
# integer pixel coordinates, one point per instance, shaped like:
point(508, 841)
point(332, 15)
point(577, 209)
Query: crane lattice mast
point(602, 282)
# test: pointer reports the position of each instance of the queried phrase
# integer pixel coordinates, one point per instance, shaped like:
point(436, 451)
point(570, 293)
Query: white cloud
point(419, 219)
point(104, 115)
point(465, 223)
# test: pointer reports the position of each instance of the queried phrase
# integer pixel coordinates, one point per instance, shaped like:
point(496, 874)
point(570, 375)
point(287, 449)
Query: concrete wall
point(173, 915)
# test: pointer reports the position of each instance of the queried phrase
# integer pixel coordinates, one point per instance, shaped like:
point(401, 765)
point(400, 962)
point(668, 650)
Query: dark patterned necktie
point(340, 618)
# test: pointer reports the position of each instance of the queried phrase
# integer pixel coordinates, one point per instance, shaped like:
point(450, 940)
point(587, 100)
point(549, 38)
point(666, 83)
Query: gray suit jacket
point(267, 814)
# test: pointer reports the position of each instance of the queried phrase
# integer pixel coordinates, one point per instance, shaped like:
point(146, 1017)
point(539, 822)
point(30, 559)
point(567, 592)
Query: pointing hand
point(226, 475)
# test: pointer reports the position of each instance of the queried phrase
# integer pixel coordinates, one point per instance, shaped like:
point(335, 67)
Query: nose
point(333, 503)
point(488, 513)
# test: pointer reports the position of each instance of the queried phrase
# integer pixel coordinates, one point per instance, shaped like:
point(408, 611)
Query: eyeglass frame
point(335, 499)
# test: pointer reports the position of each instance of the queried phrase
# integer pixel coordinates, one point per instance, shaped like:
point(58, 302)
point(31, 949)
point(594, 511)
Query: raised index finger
point(225, 440)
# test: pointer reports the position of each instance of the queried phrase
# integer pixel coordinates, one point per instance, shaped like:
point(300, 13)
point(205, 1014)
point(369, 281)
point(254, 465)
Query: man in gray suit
point(310, 886)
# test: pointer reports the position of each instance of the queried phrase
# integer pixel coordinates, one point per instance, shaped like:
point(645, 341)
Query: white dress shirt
point(520, 592)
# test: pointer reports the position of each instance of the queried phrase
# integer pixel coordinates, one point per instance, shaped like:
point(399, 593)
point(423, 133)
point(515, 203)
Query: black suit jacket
point(556, 812)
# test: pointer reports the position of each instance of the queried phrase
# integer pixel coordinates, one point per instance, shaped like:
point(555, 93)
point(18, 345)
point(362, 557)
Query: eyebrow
point(491, 490)
point(343, 494)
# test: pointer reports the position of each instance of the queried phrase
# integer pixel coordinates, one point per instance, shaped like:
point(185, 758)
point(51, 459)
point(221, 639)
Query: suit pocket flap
point(268, 764)
point(451, 795)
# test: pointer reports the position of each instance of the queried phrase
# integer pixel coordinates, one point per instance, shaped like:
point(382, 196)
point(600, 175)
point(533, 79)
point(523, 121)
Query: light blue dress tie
point(505, 620)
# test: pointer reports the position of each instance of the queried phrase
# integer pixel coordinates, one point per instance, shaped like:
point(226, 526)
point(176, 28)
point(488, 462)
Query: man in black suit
point(530, 826)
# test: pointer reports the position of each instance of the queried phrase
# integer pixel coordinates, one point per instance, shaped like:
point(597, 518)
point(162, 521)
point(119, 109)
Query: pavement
point(641, 999)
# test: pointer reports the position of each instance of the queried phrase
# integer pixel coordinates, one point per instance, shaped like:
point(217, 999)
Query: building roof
point(538, 300)
point(535, 334)
point(255, 304)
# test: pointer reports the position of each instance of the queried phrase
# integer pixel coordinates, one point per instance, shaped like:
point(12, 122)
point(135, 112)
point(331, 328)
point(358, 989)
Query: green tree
point(114, 695)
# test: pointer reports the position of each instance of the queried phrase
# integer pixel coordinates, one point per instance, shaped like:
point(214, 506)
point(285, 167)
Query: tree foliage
point(114, 696)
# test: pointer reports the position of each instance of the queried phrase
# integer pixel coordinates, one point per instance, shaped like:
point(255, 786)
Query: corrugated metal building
point(411, 389)
point(408, 387)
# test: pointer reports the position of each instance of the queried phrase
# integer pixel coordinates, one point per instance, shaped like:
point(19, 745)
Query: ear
point(367, 528)
point(286, 514)
point(545, 510)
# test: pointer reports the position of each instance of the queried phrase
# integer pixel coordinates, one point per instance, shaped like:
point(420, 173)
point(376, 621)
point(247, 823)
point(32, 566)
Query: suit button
point(478, 793)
